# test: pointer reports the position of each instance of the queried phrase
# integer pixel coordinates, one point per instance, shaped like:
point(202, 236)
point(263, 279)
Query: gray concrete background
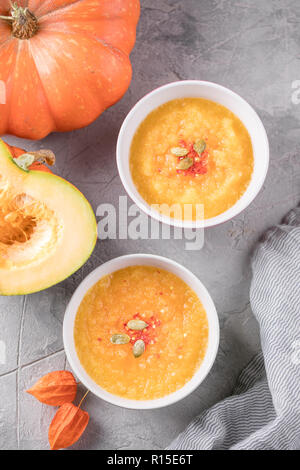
point(250, 46)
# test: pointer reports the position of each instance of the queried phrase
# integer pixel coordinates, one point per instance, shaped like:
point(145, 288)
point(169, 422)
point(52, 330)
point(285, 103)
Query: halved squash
point(47, 227)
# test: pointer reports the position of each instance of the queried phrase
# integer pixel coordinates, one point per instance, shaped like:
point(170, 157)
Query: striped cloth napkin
point(264, 411)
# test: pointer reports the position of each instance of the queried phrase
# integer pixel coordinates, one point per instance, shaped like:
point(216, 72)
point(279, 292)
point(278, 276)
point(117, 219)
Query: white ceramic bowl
point(198, 89)
point(134, 260)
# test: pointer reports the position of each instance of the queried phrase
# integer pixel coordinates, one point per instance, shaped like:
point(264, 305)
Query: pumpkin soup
point(141, 333)
point(191, 151)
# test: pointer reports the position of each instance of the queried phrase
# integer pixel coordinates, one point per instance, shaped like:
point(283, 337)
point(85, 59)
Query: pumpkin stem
point(25, 160)
point(24, 24)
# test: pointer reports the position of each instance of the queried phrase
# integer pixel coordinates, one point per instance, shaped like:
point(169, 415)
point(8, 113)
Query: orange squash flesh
point(47, 227)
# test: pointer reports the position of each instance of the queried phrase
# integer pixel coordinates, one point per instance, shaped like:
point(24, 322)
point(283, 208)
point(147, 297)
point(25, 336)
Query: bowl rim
point(134, 260)
point(190, 224)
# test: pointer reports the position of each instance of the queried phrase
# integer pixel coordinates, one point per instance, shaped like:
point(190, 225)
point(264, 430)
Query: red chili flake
point(183, 143)
point(161, 293)
point(99, 339)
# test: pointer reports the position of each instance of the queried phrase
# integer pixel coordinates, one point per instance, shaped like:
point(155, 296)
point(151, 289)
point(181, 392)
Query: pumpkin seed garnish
point(120, 339)
point(200, 146)
point(138, 348)
point(137, 325)
point(185, 163)
point(179, 151)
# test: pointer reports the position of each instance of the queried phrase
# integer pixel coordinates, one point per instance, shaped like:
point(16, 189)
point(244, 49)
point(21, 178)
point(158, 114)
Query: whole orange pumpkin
point(62, 62)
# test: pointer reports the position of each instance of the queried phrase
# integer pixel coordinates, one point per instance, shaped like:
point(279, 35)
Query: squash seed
point(185, 163)
point(179, 151)
point(200, 146)
point(120, 339)
point(138, 348)
point(24, 161)
point(137, 325)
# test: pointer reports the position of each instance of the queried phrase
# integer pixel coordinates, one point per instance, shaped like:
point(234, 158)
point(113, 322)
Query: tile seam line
point(18, 370)
point(41, 359)
point(9, 372)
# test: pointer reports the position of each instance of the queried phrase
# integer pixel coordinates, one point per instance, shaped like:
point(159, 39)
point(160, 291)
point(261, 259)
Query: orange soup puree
point(192, 151)
point(175, 338)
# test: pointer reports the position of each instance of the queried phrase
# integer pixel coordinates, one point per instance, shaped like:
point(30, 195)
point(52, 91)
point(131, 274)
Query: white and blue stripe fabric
point(264, 411)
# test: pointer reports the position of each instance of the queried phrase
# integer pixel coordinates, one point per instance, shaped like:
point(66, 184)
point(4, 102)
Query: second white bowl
point(145, 260)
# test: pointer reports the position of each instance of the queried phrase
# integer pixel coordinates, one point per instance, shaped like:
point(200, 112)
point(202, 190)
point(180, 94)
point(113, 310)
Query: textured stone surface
point(249, 46)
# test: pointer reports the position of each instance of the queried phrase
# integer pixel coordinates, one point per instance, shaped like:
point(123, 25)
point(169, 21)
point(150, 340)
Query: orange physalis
point(67, 426)
point(59, 388)
point(55, 388)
